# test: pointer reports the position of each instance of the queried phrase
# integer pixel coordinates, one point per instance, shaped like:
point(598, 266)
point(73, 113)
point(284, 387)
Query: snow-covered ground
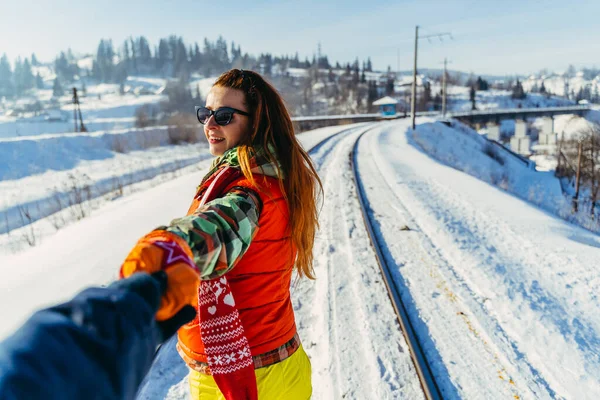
point(502, 293)
point(121, 219)
point(103, 107)
point(563, 84)
point(344, 318)
point(459, 100)
point(44, 174)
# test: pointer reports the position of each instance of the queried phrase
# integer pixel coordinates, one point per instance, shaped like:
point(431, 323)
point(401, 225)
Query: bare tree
point(591, 171)
point(589, 165)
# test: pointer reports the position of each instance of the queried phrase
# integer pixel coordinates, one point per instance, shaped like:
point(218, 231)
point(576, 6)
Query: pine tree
point(222, 55)
point(6, 77)
point(61, 67)
point(437, 102)
point(103, 65)
point(426, 98)
point(208, 64)
point(371, 95)
point(144, 54)
point(389, 87)
point(39, 83)
point(517, 91)
point(355, 75)
point(28, 77)
point(163, 56)
point(482, 84)
point(126, 55)
point(330, 75)
point(34, 60)
point(57, 89)
point(18, 77)
point(197, 57)
point(134, 56)
point(180, 63)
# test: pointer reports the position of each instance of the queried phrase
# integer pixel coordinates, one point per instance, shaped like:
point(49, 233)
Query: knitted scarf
point(225, 343)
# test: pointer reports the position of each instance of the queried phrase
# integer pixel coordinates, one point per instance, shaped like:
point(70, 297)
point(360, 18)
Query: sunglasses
point(222, 115)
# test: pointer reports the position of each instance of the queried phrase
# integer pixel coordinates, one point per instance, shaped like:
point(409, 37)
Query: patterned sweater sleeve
point(220, 232)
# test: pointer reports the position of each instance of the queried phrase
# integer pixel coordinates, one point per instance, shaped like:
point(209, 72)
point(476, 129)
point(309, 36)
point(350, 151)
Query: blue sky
point(489, 37)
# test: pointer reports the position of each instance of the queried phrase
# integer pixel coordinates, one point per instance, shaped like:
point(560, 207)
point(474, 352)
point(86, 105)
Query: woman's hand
point(165, 251)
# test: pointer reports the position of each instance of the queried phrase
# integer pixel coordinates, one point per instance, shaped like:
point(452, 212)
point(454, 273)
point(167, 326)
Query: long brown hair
point(272, 129)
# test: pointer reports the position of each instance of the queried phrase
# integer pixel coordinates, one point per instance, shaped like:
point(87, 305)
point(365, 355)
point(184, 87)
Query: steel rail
point(426, 378)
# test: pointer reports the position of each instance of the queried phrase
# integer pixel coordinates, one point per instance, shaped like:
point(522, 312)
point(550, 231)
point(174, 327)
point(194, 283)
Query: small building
point(387, 106)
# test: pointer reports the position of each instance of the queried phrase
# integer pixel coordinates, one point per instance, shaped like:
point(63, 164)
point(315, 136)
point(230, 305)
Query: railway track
point(423, 369)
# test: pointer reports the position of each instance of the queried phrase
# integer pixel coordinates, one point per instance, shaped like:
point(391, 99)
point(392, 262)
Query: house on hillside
point(387, 106)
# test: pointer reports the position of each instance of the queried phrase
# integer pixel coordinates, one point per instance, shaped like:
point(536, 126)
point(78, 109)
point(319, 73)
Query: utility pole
point(444, 89)
point(413, 99)
point(413, 102)
point(578, 177)
point(77, 109)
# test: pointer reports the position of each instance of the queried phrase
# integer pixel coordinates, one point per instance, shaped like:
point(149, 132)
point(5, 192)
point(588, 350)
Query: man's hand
point(151, 288)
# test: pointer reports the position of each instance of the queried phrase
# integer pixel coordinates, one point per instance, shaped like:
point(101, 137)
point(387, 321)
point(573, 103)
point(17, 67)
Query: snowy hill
point(466, 150)
point(564, 84)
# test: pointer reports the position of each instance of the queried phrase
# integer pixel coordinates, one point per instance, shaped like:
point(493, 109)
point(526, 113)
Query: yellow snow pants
point(289, 379)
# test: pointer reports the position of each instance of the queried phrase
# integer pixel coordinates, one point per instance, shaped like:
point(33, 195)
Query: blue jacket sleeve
point(99, 345)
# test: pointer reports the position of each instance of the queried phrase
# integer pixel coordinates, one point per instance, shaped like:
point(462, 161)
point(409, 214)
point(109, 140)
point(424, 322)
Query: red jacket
point(260, 281)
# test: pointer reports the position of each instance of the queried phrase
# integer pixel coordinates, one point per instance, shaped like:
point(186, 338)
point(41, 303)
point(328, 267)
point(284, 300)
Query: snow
point(86, 63)
point(559, 83)
point(344, 318)
point(102, 109)
point(157, 200)
point(467, 151)
point(499, 99)
point(205, 84)
point(44, 173)
point(501, 290)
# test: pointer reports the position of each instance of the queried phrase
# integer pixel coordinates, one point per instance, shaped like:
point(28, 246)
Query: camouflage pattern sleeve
point(220, 232)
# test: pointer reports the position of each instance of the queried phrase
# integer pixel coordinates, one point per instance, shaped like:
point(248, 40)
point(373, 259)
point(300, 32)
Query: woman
point(252, 221)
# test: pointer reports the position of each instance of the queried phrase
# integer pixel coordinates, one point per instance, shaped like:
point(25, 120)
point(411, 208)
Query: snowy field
point(502, 292)
point(103, 106)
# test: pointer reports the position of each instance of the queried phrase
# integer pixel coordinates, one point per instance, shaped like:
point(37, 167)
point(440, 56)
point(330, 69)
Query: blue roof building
point(387, 106)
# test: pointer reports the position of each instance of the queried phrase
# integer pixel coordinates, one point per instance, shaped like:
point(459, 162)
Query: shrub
point(183, 128)
point(146, 115)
